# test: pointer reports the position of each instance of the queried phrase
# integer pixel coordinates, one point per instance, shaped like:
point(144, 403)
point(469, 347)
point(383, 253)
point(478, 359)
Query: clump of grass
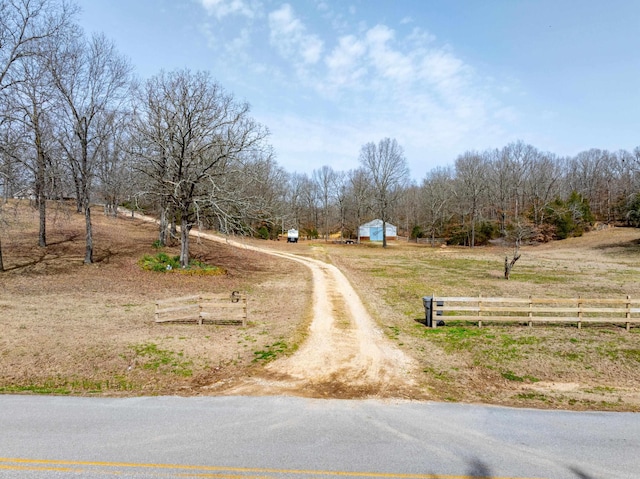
point(510, 376)
point(162, 360)
point(164, 263)
point(270, 352)
point(161, 262)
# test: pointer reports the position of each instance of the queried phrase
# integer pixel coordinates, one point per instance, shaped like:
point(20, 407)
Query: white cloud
point(389, 62)
point(289, 36)
point(345, 62)
point(360, 83)
point(222, 8)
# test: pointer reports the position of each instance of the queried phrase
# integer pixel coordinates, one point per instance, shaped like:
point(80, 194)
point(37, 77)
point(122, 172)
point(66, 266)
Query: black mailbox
point(427, 302)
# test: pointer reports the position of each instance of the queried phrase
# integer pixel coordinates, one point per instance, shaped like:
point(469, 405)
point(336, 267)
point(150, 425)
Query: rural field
point(69, 328)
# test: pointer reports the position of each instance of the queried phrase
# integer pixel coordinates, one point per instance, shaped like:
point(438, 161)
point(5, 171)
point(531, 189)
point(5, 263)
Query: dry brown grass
point(70, 328)
point(66, 327)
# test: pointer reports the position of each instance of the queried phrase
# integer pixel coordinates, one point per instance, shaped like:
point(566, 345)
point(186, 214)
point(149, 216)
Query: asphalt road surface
point(285, 437)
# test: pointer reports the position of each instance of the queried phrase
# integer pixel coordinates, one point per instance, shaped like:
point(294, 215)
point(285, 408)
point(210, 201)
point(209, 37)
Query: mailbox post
point(427, 302)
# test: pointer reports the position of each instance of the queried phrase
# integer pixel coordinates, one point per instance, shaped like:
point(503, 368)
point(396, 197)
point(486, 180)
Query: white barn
point(372, 231)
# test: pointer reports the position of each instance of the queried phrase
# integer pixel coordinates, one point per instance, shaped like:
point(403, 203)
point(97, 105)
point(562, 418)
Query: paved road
point(278, 437)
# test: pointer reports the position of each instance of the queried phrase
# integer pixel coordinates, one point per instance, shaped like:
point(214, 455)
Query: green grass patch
point(270, 352)
point(162, 360)
point(163, 263)
point(632, 354)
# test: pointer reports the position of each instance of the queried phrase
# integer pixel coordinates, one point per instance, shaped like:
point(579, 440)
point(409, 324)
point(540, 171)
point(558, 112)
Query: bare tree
point(25, 25)
point(193, 134)
point(324, 178)
point(437, 193)
point(361, 194)
point(92, 80)
point(471, 175)
point(341, 195)
point(388, 171)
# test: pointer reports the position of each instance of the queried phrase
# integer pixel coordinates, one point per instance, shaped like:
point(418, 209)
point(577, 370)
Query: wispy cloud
point(290, 37)
point(375, 80)
point(223, 8)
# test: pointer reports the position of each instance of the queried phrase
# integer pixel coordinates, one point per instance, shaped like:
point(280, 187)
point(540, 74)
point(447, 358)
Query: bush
point(163, 263)
point(569, 218)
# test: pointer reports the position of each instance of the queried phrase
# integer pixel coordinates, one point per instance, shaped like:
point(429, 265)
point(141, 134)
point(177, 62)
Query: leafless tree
point(341, 195)
point(471, 174)
point(388, 172)
point(324, 178)
point(25, 25)
point(437, 194)
point(542, 185)
point(193, 135)
point(93, 81)
point(115, 173)
point(361, 193)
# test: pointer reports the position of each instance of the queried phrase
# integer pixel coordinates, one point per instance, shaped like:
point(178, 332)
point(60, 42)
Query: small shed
point(372, 231)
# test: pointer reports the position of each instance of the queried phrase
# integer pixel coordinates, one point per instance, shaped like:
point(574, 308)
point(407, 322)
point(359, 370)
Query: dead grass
point(71, 328)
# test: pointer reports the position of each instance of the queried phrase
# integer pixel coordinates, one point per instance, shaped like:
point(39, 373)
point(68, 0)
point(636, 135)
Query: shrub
point(163, 263)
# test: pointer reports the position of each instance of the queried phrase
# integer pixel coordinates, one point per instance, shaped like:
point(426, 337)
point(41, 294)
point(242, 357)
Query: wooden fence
point(212, 308)
point(536, 310)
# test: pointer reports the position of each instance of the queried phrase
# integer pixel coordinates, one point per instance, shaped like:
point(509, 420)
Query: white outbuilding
point(372, 231)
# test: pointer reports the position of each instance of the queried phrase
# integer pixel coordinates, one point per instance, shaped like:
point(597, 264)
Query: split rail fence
point(211, 308)
point(536, 310)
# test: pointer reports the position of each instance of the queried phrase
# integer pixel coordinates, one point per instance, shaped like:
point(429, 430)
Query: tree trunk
point(184, 242)
point(88, 255)
point(1, 263)
point(162, 234)
point(384, 233)
point(508, 265)
point(42, 212)
point(41, 196)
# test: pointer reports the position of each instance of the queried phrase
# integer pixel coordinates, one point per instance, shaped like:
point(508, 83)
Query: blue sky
point(440, 76)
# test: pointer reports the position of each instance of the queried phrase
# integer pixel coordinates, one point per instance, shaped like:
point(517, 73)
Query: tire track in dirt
point(345, 353)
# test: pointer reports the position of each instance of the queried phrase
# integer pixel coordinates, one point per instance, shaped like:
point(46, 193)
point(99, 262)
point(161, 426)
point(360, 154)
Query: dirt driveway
point(345, 353)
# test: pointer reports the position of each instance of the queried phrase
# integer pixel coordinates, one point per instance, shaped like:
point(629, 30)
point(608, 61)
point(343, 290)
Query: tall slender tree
point(388, 171)
point(92, 80)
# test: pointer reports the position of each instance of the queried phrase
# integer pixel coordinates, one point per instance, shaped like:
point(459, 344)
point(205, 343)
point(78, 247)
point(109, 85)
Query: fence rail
point(217, 308)
point(536, 310)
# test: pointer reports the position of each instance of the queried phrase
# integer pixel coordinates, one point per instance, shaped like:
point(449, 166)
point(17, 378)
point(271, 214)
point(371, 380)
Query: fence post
point(530, 311)
point(579, 312)
point(628, 314)
point(479, 310)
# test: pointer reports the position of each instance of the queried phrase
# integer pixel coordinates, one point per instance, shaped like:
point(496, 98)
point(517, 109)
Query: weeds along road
point(285, 437)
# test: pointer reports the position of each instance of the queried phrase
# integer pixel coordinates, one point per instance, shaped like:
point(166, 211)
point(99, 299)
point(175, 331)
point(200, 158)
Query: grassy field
point(551, 366)
point(69, 328)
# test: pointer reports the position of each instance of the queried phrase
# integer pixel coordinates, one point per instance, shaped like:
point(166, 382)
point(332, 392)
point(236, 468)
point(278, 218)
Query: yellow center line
point(216, 471)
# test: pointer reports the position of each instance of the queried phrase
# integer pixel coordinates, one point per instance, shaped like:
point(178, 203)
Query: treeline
point(516, 192)
point(76, 124)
